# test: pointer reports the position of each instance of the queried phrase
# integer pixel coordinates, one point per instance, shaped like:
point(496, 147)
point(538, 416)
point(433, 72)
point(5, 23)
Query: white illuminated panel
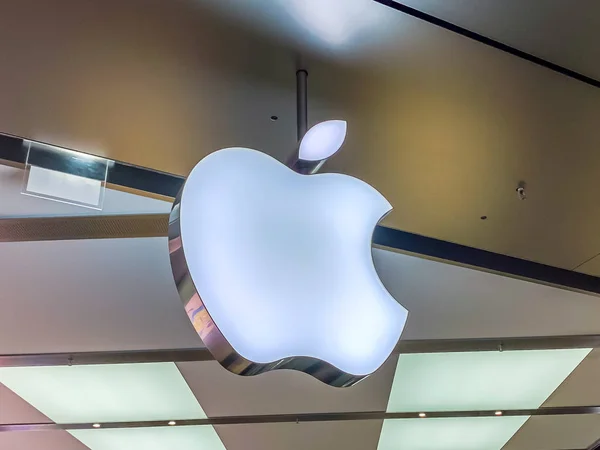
point(323, 140)
point(471, 381)
point(283, 261)
point(478, 433)
point(105, 393)
point(480, 380)
point(169, 438)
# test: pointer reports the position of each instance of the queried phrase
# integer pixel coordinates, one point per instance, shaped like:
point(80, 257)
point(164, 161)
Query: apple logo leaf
point(323, 140)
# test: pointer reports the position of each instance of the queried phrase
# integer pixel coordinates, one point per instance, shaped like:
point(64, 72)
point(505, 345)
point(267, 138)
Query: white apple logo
point(276, 271)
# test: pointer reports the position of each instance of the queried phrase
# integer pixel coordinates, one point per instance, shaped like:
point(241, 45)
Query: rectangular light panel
point(172, 438)
point(105, 393)
point(479, 380)
point(116, 393)
point(477, 433)
point(470, 382)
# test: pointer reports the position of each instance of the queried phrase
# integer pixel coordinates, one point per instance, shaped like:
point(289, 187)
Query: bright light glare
point(283, 261)
point(336, 22)
point(323, 140)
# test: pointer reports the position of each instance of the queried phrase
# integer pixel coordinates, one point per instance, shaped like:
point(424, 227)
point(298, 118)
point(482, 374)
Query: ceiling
point(443, 126)
point(112, 295)
point(559, 31)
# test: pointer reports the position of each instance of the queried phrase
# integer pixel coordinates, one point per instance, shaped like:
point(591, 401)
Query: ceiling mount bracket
point(301, 103)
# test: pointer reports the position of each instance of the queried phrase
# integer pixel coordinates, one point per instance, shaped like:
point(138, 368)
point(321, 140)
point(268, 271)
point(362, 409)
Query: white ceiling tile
point(105, 393)
point(479, 433)
point(176, 438)
point(479, 380)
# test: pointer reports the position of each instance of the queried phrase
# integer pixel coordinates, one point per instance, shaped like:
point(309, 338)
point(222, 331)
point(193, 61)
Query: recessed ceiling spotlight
point(422, 415)
point(498, 413)
point(96, 425)
point(274, 118)
point(172, 422)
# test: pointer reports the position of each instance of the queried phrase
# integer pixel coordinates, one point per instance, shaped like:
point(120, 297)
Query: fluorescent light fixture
point(323, 140)
point(479, 380)
point(473, 433)
point(283, 262)
point(179, 438)
point(470, 381)
point(105, 393)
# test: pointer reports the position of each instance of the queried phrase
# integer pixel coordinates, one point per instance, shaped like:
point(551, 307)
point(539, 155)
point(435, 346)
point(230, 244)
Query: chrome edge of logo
point(214, 340)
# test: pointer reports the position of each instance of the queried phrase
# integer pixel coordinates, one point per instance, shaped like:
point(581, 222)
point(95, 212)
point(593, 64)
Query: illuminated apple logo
point(275, 268)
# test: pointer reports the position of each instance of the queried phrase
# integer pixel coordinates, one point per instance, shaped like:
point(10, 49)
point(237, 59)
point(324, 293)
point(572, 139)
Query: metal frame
point(306, 418)
point(203, 354)
point(156, 225)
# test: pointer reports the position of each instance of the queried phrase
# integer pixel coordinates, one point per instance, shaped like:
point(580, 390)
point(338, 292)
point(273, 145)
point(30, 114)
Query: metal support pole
point(295, 163)
point(301, 102)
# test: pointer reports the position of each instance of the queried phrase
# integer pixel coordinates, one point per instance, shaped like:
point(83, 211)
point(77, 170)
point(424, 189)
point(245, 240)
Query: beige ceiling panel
point(354, 435)
point(287, 391)
point(90, 296)
point(446, 301)
point(119, 294)
point(531, 26)
point(443, 126)
point(581, 388)
point(556, 432)
point(591, 267)
point(13, 409)
point(39, 440)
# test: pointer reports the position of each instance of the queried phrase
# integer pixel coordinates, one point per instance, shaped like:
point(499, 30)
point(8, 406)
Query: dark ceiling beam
point(202, 354)
point(31, 229)
point(151, 182)
point(489, 42)
point(307, 418)
point(595, 445)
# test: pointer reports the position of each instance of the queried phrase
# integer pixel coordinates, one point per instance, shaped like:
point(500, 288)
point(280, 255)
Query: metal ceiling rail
point(14, 151)
point(307, 418)
point(488, 41)
point(202, 354)
point(28, 229)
